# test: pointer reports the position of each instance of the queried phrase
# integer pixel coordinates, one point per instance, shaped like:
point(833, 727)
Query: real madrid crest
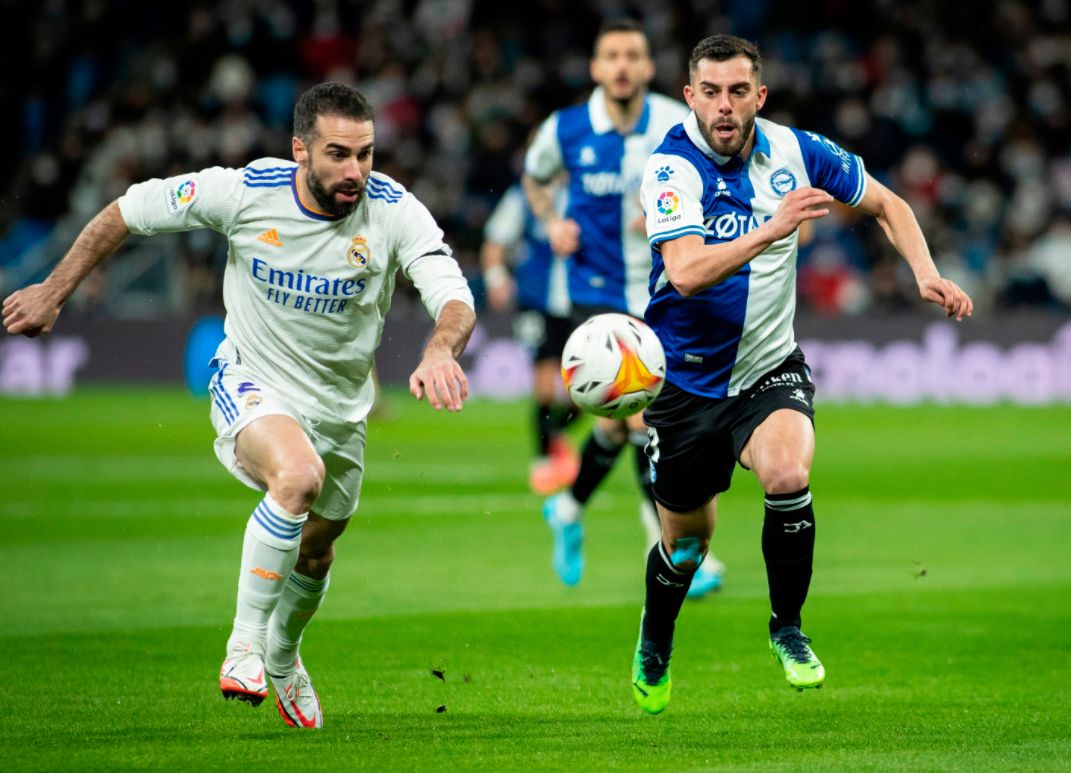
point(360, 254)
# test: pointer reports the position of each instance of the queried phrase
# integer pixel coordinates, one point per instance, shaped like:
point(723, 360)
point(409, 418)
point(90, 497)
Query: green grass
point(121, 534)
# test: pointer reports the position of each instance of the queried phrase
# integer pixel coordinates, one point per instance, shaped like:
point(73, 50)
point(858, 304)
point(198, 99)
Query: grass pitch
point(941, 603)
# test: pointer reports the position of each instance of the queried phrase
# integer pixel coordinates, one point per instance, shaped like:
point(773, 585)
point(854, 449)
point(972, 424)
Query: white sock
point(566, 508)
point(269, 552)
point(301, 598)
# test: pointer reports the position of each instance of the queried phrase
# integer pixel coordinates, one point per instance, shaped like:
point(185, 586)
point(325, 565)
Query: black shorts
point(542, 334)
point(696, 441)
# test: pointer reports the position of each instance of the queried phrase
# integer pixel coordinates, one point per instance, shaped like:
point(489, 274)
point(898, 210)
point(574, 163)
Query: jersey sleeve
point(506, 224)
point(544, 161)
point(426, 260)
point(205, 199)
point(672, 197)
point(832, 168)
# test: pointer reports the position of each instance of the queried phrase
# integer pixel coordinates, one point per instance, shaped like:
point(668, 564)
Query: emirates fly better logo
point(668, 201)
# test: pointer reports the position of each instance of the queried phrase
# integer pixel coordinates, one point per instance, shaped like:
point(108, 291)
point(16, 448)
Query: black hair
point(329, 98)
point(721, 48)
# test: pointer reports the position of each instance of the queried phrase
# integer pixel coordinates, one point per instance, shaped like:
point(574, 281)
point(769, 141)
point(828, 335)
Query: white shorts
point(238, 400)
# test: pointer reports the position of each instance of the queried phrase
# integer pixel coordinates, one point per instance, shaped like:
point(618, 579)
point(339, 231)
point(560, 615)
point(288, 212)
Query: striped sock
point(269, 552)
point(301, 597)
point(788, 549)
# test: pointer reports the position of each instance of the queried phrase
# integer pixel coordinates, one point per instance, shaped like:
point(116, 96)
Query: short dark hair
point(619, 24)
point(721, 48)
point(329, 98)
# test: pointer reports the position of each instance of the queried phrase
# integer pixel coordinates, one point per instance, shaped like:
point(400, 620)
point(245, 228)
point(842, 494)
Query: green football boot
point(792, 650)
point(650, 675)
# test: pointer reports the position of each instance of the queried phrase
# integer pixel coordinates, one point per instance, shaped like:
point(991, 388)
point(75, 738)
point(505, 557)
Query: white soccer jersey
point(306, 293)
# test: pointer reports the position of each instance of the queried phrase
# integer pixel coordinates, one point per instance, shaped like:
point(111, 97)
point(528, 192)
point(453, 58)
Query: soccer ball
point(613, 365)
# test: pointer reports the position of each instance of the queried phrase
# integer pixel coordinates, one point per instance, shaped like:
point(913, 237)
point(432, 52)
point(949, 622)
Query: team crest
point(782, 181)
point(360, 254)
point(252, 401)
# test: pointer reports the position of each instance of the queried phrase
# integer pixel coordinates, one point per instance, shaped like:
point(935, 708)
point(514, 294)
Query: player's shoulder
point(383, 190)
point(267, 172)
point(667, 108)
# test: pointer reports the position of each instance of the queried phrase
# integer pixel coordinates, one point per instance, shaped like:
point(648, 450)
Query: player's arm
point(902, 228)
point(692, 265)
point(439, 375)
point(497, 282)
point(543, 169)
point(33, 310)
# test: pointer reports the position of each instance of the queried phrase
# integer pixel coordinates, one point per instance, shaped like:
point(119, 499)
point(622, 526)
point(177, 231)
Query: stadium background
point(940, 597)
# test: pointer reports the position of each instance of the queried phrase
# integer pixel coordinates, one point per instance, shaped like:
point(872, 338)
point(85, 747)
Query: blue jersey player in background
point(725, 194)
point(537, 286)
point(600, 148)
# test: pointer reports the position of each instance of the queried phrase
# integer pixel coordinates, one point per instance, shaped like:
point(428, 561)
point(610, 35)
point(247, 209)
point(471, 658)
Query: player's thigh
point(341, 445)
point(272, 445)
point(784, 438)
point(690, 451)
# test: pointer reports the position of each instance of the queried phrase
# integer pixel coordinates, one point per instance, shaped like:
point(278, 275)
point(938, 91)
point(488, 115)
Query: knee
point(785, 477)
point(686, 553)
point(298, 485)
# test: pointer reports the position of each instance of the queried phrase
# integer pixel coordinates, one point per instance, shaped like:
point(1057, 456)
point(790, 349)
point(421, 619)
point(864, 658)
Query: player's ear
point(689, 95)
point(760, 98)
point(298, 149)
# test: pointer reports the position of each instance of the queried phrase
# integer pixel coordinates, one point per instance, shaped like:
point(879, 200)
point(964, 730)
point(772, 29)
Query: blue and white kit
point(605, 168)
point(719, 341)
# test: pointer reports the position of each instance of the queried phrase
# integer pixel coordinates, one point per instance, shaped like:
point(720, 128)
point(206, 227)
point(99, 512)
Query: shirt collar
point(601, 123)
point(691, 128)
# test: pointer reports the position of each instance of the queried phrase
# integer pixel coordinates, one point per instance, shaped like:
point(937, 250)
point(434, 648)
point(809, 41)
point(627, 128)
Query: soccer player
point(314, 249)
point(602, 145)
point(725, 194)
point(538, 286)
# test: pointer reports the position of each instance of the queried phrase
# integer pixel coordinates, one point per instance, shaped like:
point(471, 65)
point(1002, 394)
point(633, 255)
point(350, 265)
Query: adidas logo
point(271, 236)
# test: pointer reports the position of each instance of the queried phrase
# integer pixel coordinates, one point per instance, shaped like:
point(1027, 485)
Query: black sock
point(667, 586)
point(788, 548)
point(643, 465)
point(561, 416)
point(544, 427)
point(596, 461)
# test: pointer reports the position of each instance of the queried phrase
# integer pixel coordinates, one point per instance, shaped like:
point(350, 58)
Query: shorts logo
point(798, 394)
point(663, 173)
point(181, 195)
point(360, 254)
point(782, 181)
point(668, 201)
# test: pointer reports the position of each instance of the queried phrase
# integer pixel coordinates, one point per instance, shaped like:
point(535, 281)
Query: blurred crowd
point(963, 108)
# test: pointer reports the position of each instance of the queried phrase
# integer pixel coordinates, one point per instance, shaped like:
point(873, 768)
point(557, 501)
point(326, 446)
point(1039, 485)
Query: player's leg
point(563, 511)
point(274, 451)
point(780, 451)
point(708, 577)
point(556, 464)
point(671, 564)
point(341, 446)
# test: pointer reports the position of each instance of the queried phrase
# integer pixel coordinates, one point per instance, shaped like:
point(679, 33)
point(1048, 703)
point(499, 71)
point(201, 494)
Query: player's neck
point(625, 115)
point(749, 146)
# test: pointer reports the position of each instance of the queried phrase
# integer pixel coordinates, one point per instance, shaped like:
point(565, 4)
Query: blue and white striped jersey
point(539, 274)
point(605, 169)
point(721, 340)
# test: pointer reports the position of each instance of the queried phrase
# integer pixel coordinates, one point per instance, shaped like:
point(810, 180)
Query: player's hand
point(563, 233)
point(31, 311)
point(797, 207)
point(440, 377)
point(945, 292)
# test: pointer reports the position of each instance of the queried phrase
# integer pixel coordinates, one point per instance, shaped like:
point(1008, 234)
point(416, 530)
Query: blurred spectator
point(964, 110)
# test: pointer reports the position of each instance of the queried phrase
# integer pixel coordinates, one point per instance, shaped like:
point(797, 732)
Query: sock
point(544, 428)
point(561, 416)
point(301, 598)
point(667, 585)
point(788, 548)
point(596, 461)
point(269, 552)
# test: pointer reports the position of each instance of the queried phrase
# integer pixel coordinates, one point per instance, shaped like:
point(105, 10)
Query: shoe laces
point(794, 643)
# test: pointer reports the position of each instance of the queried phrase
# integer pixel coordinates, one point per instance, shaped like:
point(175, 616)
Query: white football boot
point(242, 674)
point(296, 699)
